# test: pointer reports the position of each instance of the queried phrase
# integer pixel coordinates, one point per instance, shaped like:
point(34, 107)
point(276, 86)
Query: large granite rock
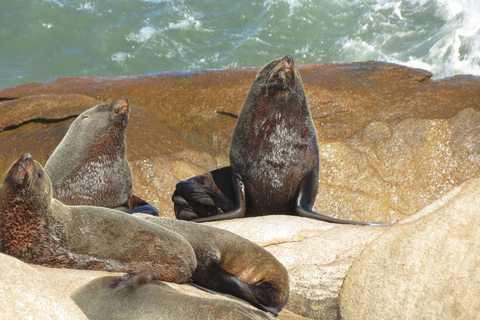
point(21, 282)
point(391, 139)
point(316, 254)
point(426, 268)
point(28, 294)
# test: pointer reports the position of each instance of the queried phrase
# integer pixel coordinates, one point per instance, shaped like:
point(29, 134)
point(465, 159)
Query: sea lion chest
point(271, 155)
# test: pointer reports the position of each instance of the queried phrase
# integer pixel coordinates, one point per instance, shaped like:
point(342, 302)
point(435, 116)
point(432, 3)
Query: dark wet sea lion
point(92, 156)
point(38, 229)
point(274, 157)
point(138, 296)
point(229, 263)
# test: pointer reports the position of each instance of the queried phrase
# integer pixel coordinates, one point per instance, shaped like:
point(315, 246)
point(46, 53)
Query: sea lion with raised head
point(38, 229)
point(92, 156)
point(274, 157)
point(229, 263)
point(138, 295)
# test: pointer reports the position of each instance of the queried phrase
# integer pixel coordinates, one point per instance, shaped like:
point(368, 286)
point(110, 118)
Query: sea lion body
point(139, 296)
point(274, 157)
point(274, 143)
point(229, 263)
point(38, 229)
point(92, 156)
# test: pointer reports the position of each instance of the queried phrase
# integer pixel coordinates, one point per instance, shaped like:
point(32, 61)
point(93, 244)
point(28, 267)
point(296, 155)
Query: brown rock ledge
point(392, 140)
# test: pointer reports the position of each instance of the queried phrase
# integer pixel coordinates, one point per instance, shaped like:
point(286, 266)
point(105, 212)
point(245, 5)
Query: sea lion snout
point(23, 167)
point(122, 106)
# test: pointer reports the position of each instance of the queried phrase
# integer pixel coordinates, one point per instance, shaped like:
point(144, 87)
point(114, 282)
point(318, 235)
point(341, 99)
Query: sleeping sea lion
point(38, 229)
point(229, 263)
point(138, 296)
point(92, 156)
point(274, 157)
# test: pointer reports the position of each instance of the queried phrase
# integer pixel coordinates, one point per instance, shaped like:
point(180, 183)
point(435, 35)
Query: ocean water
point(42, 40)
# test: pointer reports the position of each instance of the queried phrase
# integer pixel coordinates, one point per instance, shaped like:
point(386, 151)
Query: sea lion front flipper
point(305, 199)
point(138, 205)
point(240, 206)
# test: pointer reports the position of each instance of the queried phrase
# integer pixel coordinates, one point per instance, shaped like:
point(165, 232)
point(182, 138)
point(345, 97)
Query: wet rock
point(426, 267)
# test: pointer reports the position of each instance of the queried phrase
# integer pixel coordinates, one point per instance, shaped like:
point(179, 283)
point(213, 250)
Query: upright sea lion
point(38, 229)
point(92, 156)
point(274, 157)
point(231, 264)
point(138, 295)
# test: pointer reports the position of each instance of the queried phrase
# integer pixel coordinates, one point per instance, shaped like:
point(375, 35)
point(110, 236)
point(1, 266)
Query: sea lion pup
point(138, 296)
point(274, 157)
point(92, 156)
point(229, 263)
point(38, 229)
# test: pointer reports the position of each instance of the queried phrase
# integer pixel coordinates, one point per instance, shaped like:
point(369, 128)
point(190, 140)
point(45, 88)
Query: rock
point(316, 254)
point(426, 267)
point(28, 294)
point(69, 280)
point(391, 139)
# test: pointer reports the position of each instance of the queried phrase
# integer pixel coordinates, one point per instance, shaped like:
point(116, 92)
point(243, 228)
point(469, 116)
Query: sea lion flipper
point(305, 199)
point(240, 206)
point(215, 279)
point(137, 205)
point(194, 200)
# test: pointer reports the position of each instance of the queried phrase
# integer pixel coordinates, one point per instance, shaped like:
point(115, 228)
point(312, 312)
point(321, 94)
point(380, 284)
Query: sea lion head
point(92, 156)
point(28, 181)
point(103, 119)
point(278, 78)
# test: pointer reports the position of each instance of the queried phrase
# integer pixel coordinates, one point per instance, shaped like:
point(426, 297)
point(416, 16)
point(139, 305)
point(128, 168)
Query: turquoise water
point(42, 40)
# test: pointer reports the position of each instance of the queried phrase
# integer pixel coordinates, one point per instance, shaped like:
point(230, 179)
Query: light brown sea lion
point(92, 156)
point(38, 229)
point(229, 263)
point(274, 157)
point(138, 296)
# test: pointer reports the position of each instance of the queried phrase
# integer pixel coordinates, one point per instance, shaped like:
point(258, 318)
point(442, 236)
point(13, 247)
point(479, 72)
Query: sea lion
point(138, 295)
point(38, 229)
point(92, 156)
point(274, 157)
point(229, 263)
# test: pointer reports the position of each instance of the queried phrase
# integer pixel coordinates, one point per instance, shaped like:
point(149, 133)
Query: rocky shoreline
point(392, 141)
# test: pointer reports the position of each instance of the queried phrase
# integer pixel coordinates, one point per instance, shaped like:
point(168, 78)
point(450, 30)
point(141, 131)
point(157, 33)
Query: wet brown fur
point(275, 141)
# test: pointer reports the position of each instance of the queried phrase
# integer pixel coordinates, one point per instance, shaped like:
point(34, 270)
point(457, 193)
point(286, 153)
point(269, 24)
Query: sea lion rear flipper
point(215, 279)
point(215, 195)
point(240, 207)
point(305, 199)
point(138, 205)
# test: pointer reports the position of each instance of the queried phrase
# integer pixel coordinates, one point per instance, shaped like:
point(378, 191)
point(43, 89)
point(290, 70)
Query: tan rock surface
point(316, 254)
point(424, 269)
point(28, 294)
point(391, 139)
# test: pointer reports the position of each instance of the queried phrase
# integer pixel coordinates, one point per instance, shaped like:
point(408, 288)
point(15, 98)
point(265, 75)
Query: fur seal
point(92, 156)
point(274, 157)
point(38, 229)
point(231, 264)
point(138, 295)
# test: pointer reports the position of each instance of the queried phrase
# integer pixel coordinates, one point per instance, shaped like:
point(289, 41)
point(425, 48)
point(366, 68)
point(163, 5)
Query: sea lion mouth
point(283, 76)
